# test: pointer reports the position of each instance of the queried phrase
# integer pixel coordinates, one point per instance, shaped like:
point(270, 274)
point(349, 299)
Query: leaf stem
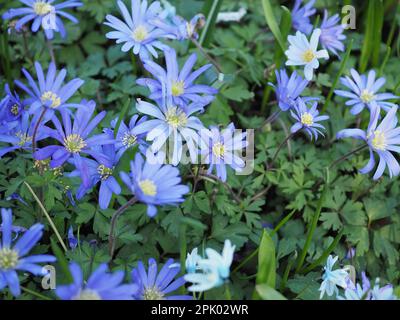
point(347, 155)
point(279, 149)
point(36, 128)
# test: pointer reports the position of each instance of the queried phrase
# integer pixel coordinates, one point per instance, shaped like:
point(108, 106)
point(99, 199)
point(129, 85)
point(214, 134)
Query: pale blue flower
point(333, 278)
point(305, 53)
point(301, 16)
point(192, 261)
point(332, 33)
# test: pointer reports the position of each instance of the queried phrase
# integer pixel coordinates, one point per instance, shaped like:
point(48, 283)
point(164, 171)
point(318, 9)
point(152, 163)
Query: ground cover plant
point(199, 149)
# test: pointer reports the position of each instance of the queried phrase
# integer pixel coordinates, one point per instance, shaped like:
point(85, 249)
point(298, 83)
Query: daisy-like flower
point(215, 269)
point(382, 139)
point(384, 293)
point(332, 33)
point(287, 89)
point(11, 108)
point(44, 13)
point(101, 285)
point(49, 93)
point(180, 87)
point(14, 256)
point(154, 184)
point(75, 140)
point(364, 92)
point(101, 171)
point(333, 278)
point(222, 148)
point(301, 16)
point(125, 139)
point(137, 30)
point(154, 285)
point(174, 123)
point(20, 136)
point(192, 261)
point(307, 119)
point(305, 53)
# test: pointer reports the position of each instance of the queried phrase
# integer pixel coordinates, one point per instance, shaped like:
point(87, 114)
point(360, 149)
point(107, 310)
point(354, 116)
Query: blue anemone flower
point(288, 89)
point(333, 278)
point(364, 92)
point(154, 184)
point(101, 285)
point(179, 84)
point(49, 93)
point(13, 257)
point(11, 108)
point(382, 139)
point(301, 16)
point(154, 285)
point(75, 140)
point(20, 136)
point(332, 33)
point(307, 119)
point(137, 31)
point(44, 13)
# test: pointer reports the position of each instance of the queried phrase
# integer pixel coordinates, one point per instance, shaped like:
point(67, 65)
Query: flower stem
point(51, 51)
point(201, 49)
point(271, 118)
point(35, 130)
point(347, 155)
point(279, 149)
point(34, 293)
point(228, 292)
point(115, 216)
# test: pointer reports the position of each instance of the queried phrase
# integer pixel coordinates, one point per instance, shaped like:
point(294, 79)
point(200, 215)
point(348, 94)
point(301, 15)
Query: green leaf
point(268, 293)
point(273, 24)
point(211, 10)
point(238, 93)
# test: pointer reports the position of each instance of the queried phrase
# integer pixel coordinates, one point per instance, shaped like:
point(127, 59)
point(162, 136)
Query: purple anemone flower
point(382, 139)
point(43, 13)
point(364, 92)
point(179, 84)
point(332, 33)
point(13, 256)
point(75, 140)
point(49, 93)
point(154, 285)
point(11, 109)
point(301, 16)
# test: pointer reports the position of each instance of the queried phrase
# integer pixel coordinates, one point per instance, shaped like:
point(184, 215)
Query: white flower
point(302, 52)
point(192, 261)
point(333, 278)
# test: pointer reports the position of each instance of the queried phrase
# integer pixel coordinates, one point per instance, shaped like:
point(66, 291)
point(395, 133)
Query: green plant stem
point(115, 216)
point(36, 128)
point(34, 293)
point(51, 51)
point(347, 155)
point(279, 149)
point(208, 57)
point(287, 271)
point(228, 292)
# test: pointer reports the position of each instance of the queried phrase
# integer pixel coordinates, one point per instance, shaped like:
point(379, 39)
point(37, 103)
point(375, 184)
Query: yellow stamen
point(140, 34)
point(51, 96)
point(87, 294)
point(152, 294)
point(148, 187)
point(15, 109)
point(42, 8)
point(74, 143)
point(23, 138)
point(366, 96)
point(129, 140)
point(379, 140)
point(104, 172)
point(308, 55)
point(176, 117)
point(307, 119)
point(178, 88)
point(218, 150)
point(8, 258)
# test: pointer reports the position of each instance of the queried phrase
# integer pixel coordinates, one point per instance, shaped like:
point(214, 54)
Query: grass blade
point(211, 10)
point(273, 24)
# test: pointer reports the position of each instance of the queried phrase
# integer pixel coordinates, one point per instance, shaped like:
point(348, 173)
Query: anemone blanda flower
point(43, 13)
point(101, 285)
point(364, 92)
point(214, 270)
point(301, 16)
point(332, 33)
point(223, 148)
point(179, 84)
point(172, 123)
point(75, 140)
point(72, 240)
point(101, 170)
point(20, 136)
point(154, 285)
point(305, 53)
point(14, 256)
point(192, 261)
point(137, 31)
point(382, 293)
point(287, 89)
point(49, 93)
point(154, 184)
point(11, 108)
point(382, 139)
point(333, 278)
point(125, 139)
point(307, 119)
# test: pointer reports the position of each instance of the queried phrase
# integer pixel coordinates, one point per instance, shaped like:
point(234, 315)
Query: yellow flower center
point(218, 150)
point(42, 8)
point(52, 97)
point(74, 143)
point(148, 187)
point(152, 294)
point(308, 55)
point(87, 294)
point(14, 109)
point(129, 140)
point(379, 140)
point(8, 258)
point(23, 138)
point(307, 119)
point(104, 172)
point(366, 96)
point(178, 88)
point(176, 117)
point(140, 34)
